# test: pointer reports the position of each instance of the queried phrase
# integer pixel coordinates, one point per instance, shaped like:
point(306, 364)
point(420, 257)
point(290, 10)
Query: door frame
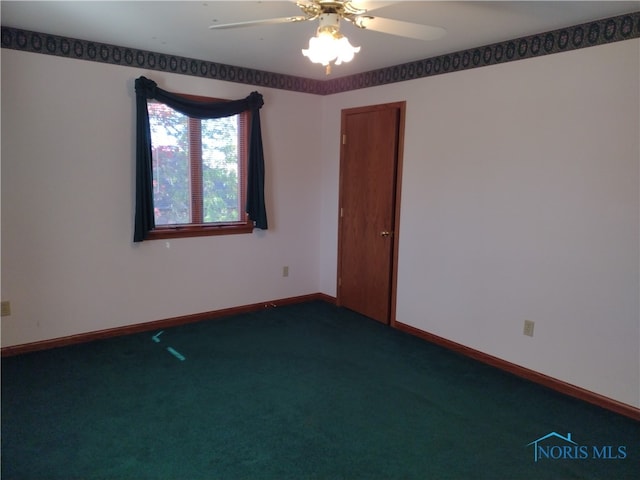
point(401, 107)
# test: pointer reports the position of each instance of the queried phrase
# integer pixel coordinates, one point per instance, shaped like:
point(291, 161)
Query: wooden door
point(369, 199)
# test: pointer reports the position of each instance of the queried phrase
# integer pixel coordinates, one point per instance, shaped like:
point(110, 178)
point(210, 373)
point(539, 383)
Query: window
point(199, 172)
point(201, 202)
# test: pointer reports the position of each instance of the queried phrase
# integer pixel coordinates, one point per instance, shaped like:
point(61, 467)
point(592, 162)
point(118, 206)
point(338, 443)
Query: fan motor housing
point(329, 22)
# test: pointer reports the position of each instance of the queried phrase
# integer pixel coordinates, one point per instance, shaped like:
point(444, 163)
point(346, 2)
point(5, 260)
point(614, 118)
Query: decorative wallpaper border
point(609, 30)
point(47, 44)
point(600, 32)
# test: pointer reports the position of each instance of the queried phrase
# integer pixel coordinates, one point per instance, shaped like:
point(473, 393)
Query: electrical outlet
point(285, 271)
point(528, 328)
point(5, 308)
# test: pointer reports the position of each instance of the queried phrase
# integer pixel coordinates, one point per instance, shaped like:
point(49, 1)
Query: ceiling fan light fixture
point(329, 45)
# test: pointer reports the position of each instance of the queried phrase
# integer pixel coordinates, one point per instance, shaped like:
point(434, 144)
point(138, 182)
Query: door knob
point(385, 234)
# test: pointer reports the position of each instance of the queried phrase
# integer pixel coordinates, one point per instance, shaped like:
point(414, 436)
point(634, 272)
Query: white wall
point(68, 261)
point(520, 200)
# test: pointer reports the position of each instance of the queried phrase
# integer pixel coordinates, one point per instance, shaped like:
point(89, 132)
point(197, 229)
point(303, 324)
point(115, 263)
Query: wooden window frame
point(199, 229)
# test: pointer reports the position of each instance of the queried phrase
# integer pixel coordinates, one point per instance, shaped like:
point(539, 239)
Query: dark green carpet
point(299, 392)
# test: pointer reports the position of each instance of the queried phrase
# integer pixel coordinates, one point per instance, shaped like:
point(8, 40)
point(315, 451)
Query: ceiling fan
point(329, 45)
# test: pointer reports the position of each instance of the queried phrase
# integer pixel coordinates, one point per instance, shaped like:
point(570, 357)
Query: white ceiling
point(181, 28)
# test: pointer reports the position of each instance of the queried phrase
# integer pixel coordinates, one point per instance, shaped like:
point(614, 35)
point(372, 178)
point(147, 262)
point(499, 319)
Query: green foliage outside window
point(172, 168)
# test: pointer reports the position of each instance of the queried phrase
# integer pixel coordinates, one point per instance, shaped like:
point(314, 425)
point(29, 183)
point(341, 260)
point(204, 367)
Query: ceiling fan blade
point(370, 5)
point(400, 28)
point(252, 23)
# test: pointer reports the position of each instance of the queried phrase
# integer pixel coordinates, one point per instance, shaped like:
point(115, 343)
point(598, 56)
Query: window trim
point(188, 230)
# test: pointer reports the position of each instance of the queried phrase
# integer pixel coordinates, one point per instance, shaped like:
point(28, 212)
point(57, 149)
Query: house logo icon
point(569, 443)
